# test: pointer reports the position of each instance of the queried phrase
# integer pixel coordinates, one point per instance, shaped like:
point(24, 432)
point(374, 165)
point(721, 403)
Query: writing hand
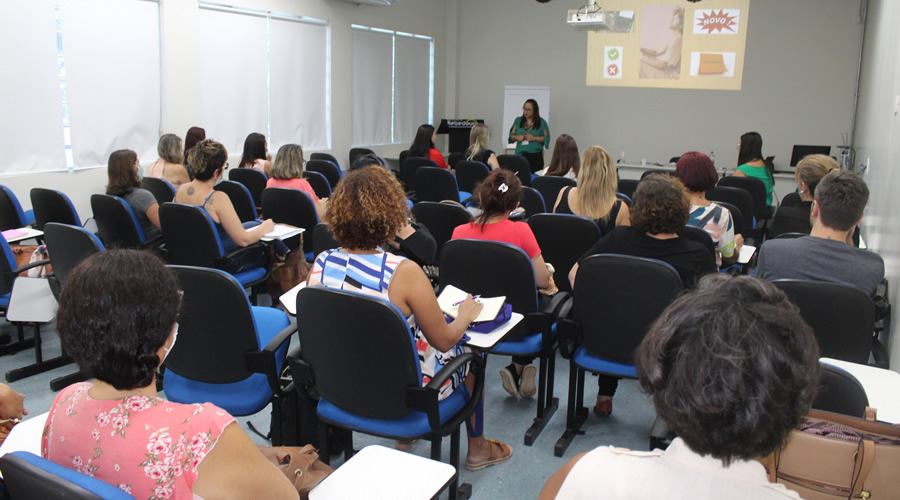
point(469, 309)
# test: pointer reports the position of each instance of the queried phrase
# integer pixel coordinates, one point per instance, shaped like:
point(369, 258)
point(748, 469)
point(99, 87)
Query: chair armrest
point(7, 278)
point(555, 303)
point(264, 361)
point(30, 265)
point(425, 398)
point(570, 335)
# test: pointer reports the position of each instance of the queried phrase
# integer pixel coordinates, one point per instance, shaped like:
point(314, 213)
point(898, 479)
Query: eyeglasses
point(527, 109)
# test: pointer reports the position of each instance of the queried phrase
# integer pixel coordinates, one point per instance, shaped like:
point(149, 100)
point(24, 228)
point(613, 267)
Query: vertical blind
point(412, 86)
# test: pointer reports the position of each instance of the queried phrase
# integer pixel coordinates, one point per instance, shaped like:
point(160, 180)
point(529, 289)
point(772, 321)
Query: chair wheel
point(464, 491)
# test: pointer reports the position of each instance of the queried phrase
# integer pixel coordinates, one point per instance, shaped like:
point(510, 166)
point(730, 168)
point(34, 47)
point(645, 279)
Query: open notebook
point(451, 297)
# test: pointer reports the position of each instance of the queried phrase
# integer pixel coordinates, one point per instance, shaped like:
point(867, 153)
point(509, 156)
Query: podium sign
point(458, 129)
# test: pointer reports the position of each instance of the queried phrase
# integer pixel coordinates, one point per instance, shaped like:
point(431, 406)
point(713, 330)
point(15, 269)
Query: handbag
point(287, 272)
point(833, 456)
point(301, 466)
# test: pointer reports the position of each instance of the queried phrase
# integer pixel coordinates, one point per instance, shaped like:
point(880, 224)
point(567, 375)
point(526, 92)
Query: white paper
point(746, 254)
point(25, 436)
point(281, 231)
point(289, 298)
point(451, 297)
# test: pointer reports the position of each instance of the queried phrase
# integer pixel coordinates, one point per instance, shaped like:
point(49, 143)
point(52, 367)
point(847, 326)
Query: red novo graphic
point(716, 21)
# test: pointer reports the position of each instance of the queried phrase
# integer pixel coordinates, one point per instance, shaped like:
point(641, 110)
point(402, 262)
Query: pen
point(461, 301)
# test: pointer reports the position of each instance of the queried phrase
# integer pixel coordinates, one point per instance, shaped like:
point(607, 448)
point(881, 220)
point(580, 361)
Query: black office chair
point(253, 179)
point(493, 269)
point(326, 157)
point(408, 171)
point(550, 185)
point(117, 224)
point(517, 164)
point(615, 300)
point(841, 316)
point(30, 477)
point(330, 170)
point(563, 239)
point(323, 239)
point(454, 158)
point(761, 211)
point(52, 206)
point(532, 202)
point(161, 189)
point(354, 152)
point(228, 353)
point(343, 356)
point(192, 240)
point(240, 198)
point(840, 392)
point(791, 199)
point(788, 236)
point(470, 173)
point(11, 214)
point(742, 200)
point(319, 183)
point(402, 159)
point(627, 187)
point(790, 219)
point(700, 236)
point(438, 184)
point(292, 207)
point(440, 219)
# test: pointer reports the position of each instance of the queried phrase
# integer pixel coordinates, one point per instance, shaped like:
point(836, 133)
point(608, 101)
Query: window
point(256, 78)
point(392, 85)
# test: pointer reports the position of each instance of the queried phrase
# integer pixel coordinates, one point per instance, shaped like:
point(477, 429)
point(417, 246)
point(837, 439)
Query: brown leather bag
point(301, 466)
point(833, 456)
point(288, 272)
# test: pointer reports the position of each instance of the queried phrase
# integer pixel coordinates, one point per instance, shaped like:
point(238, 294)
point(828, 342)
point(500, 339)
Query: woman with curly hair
point(661, 209)
point(365, 212)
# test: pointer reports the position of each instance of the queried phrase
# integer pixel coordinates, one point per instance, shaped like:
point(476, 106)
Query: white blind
point(371, 74)
point(412, 86)
point(233, 86)
point(111, 50)
point(300, 100)
point(31, 131)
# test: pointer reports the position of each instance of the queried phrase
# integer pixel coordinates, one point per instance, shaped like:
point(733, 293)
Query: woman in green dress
point(751, 163)
point(531, 135)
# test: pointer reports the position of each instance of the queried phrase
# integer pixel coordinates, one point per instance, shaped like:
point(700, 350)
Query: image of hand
point(470, 309)
point(12, 403)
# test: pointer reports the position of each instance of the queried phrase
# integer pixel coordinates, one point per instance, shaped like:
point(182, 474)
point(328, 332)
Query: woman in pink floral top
point(116, 319)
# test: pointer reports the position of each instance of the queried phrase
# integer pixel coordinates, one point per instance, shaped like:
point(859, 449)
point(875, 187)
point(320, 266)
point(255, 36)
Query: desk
point(882, 387)
point(377, 472)
point(25, 436)
point(21, 234)
point(489, 340)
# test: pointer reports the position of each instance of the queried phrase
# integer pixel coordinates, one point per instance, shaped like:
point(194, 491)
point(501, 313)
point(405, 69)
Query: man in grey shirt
point(827, 253)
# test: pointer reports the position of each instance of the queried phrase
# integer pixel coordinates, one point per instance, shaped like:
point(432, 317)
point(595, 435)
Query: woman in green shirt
point(531, 135)
point(752, 164)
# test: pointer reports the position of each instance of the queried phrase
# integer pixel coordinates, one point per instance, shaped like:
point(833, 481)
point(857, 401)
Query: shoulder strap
point(865, 457)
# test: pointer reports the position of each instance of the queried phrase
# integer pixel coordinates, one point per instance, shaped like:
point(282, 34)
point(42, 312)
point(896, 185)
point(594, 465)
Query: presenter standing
point(531, 135)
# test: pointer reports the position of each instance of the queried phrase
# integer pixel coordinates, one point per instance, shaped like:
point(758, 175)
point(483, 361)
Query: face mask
point(174, 339)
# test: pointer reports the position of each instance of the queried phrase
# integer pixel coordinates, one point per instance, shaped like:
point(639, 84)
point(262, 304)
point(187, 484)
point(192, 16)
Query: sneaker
point(526, 383)
point(510, 380)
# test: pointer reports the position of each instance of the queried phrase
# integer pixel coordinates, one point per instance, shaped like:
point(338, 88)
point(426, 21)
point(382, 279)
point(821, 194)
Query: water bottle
point(712, 157)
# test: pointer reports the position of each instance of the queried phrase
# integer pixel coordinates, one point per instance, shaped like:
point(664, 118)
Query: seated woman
point(170, 164)
point(697, 173)
point(191, 138)
point(366, 211)
point(660, 211)
point(117, 319)
point(498, 195)
point(287, 172)
point(423, 146)
point(732, 368)
point(124, 183)
point(752, 163)
point(478, 150)
point(795, 219)
point(565, 161)
point(208, 161)
point(595, 195)
point(256, 153)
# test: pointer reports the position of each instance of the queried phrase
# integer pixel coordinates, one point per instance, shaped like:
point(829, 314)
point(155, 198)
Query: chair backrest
point(325, 167)
point(11, 214)
point(253, 179)
point(616, 300)
point(700, 236)
point(402, 158)
point(790, 219)
point(320, 184)
point(787, 236)
point(161, 189)
point(240, 198)
point(348, 353)
point(116, 222)
point(7, 263)
point(215, 328)
point(190, 235)
point(455, 158)
point(408, 171)
point(290, 206)
point(435, 184)
point(52, 206)
point(323, 239)
point(532, 201)
point(737, 217)
point(470, 173)
point(326, 157)
point(841, 316)
point(440, 219)
point(563, 239)
point(28, 476)
point(625, 198)
point(627, 187)
point(549, 186)
point(740, 198)
point(840, 392)
point(354, 152)
point(654, 171)
point(517, 164)
point(67, 246)
point(755, 187)
point(791, 199)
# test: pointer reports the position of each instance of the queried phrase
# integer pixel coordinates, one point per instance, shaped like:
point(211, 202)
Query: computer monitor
point(800, 151)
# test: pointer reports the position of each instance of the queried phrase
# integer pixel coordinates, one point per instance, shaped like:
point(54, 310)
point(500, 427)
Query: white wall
point(878, 141)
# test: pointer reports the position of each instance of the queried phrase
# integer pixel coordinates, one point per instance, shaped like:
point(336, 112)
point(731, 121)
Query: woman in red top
point(423, 146)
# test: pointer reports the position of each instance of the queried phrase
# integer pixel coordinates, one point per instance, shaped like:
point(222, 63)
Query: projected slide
point(672, 44)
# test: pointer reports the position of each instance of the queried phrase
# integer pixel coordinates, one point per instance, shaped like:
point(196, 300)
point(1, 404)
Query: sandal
point(506, 453)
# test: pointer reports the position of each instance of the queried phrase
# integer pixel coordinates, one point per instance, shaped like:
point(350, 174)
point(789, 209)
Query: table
point(882, 387)
point(377, 472)
point(25, 436)
point(21, 234)
point(489, 340)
